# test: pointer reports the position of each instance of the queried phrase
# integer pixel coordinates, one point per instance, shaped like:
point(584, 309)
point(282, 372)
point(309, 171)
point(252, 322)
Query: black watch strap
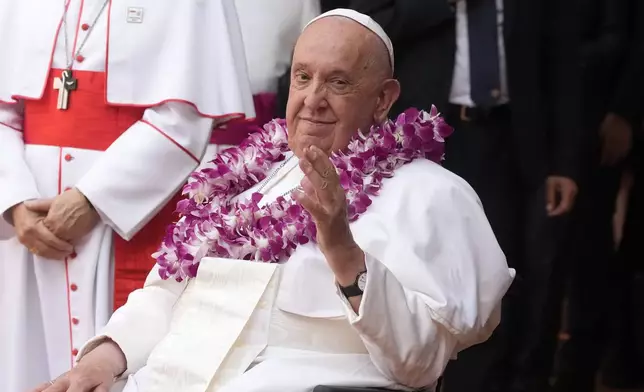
point(354, 290)
point(351, 291)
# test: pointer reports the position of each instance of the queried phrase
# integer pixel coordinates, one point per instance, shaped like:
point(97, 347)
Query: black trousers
point(594, 281)
point(602, 296)
point(518, 357)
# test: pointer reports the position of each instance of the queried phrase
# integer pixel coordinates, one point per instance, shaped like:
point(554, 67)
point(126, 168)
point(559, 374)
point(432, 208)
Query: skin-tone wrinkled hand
point(38, 239)
point(96, 372)
point(323, 197)
point(560, 195)
point(70, 216)
point(617, 139)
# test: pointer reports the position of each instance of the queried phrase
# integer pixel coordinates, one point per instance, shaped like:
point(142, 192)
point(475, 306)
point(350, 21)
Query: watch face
point(362, 281)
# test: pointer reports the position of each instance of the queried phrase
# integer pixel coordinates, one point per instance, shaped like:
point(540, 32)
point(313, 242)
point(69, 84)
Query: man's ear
point(389, 93)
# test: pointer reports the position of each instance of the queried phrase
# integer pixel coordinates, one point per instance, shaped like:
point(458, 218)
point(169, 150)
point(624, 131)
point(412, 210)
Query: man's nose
point(315, 96)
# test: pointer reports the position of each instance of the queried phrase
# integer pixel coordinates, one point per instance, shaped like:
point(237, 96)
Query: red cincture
point(235, 131)
point(89, 123)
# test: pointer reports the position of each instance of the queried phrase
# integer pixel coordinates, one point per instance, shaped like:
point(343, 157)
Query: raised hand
point(324, 198)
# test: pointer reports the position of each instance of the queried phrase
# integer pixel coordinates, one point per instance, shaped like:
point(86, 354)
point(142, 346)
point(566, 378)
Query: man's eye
point(300, 77)
point(339, 84)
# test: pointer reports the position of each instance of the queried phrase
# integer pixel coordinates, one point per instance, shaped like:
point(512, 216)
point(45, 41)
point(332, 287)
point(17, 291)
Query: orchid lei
point(212, 224)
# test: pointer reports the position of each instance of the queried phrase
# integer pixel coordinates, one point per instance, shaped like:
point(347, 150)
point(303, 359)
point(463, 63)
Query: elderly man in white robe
point(328, 250)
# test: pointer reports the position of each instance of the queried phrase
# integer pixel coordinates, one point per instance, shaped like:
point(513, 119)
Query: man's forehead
point(340, 28)
point(353, 18)
point(333, 48)
point(338, 45)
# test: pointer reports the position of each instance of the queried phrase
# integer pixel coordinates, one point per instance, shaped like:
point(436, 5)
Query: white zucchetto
point(364, 20)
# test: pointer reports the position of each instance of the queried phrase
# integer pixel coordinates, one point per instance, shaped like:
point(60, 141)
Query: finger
point(39, 248)
point(565, 204)
point(321, 186)
point(41, 387)
point(46, 236)
point(308, 203)
point(59, 385)
point(51, 225)
point(307, 186)
point(321, 163)
point(39, 205)
point(81, 387)
point(551, 196)
point(102, 388)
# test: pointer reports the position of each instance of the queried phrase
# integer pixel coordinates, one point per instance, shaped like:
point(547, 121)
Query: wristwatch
point(357, 288)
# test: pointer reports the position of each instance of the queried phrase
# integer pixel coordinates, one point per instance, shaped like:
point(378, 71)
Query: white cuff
point(375, 273)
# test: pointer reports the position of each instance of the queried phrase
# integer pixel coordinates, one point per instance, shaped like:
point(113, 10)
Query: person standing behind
point(506, 77)
point(270, 29)
point(105, 109)
point(613, 71)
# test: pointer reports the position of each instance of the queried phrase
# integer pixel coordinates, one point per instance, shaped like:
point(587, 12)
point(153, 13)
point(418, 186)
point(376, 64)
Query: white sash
point(207, 321)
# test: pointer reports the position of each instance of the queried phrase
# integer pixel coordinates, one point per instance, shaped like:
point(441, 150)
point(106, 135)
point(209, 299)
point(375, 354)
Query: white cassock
point(436, 276)
point(270, 29)
point(180, 64)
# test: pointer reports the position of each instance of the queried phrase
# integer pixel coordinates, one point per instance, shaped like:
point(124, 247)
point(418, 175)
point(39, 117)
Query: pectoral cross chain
point(65, 84)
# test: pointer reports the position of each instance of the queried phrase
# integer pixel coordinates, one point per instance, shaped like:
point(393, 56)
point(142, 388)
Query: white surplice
point(270, 29)
point(182, 59)
point(436, 276)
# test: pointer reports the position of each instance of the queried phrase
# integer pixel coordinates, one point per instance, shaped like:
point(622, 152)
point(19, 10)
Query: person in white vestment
point(105, 109)
point(270, 29)
point(313, 254)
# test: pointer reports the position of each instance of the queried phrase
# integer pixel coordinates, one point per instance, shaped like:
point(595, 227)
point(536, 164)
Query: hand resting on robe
point(69, 215)
point(35, 236)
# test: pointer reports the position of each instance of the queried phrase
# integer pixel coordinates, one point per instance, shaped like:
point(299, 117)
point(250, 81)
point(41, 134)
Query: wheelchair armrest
point(322, 388)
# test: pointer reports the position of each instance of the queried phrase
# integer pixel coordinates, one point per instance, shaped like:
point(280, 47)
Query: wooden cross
point(65, 84)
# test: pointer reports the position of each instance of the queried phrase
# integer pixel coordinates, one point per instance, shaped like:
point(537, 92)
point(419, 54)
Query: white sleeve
point(139, 325)
point(444, 288)
point(17, 183)
point(144, 168)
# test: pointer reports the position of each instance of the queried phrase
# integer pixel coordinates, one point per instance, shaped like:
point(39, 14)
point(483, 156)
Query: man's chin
point(301, 142)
